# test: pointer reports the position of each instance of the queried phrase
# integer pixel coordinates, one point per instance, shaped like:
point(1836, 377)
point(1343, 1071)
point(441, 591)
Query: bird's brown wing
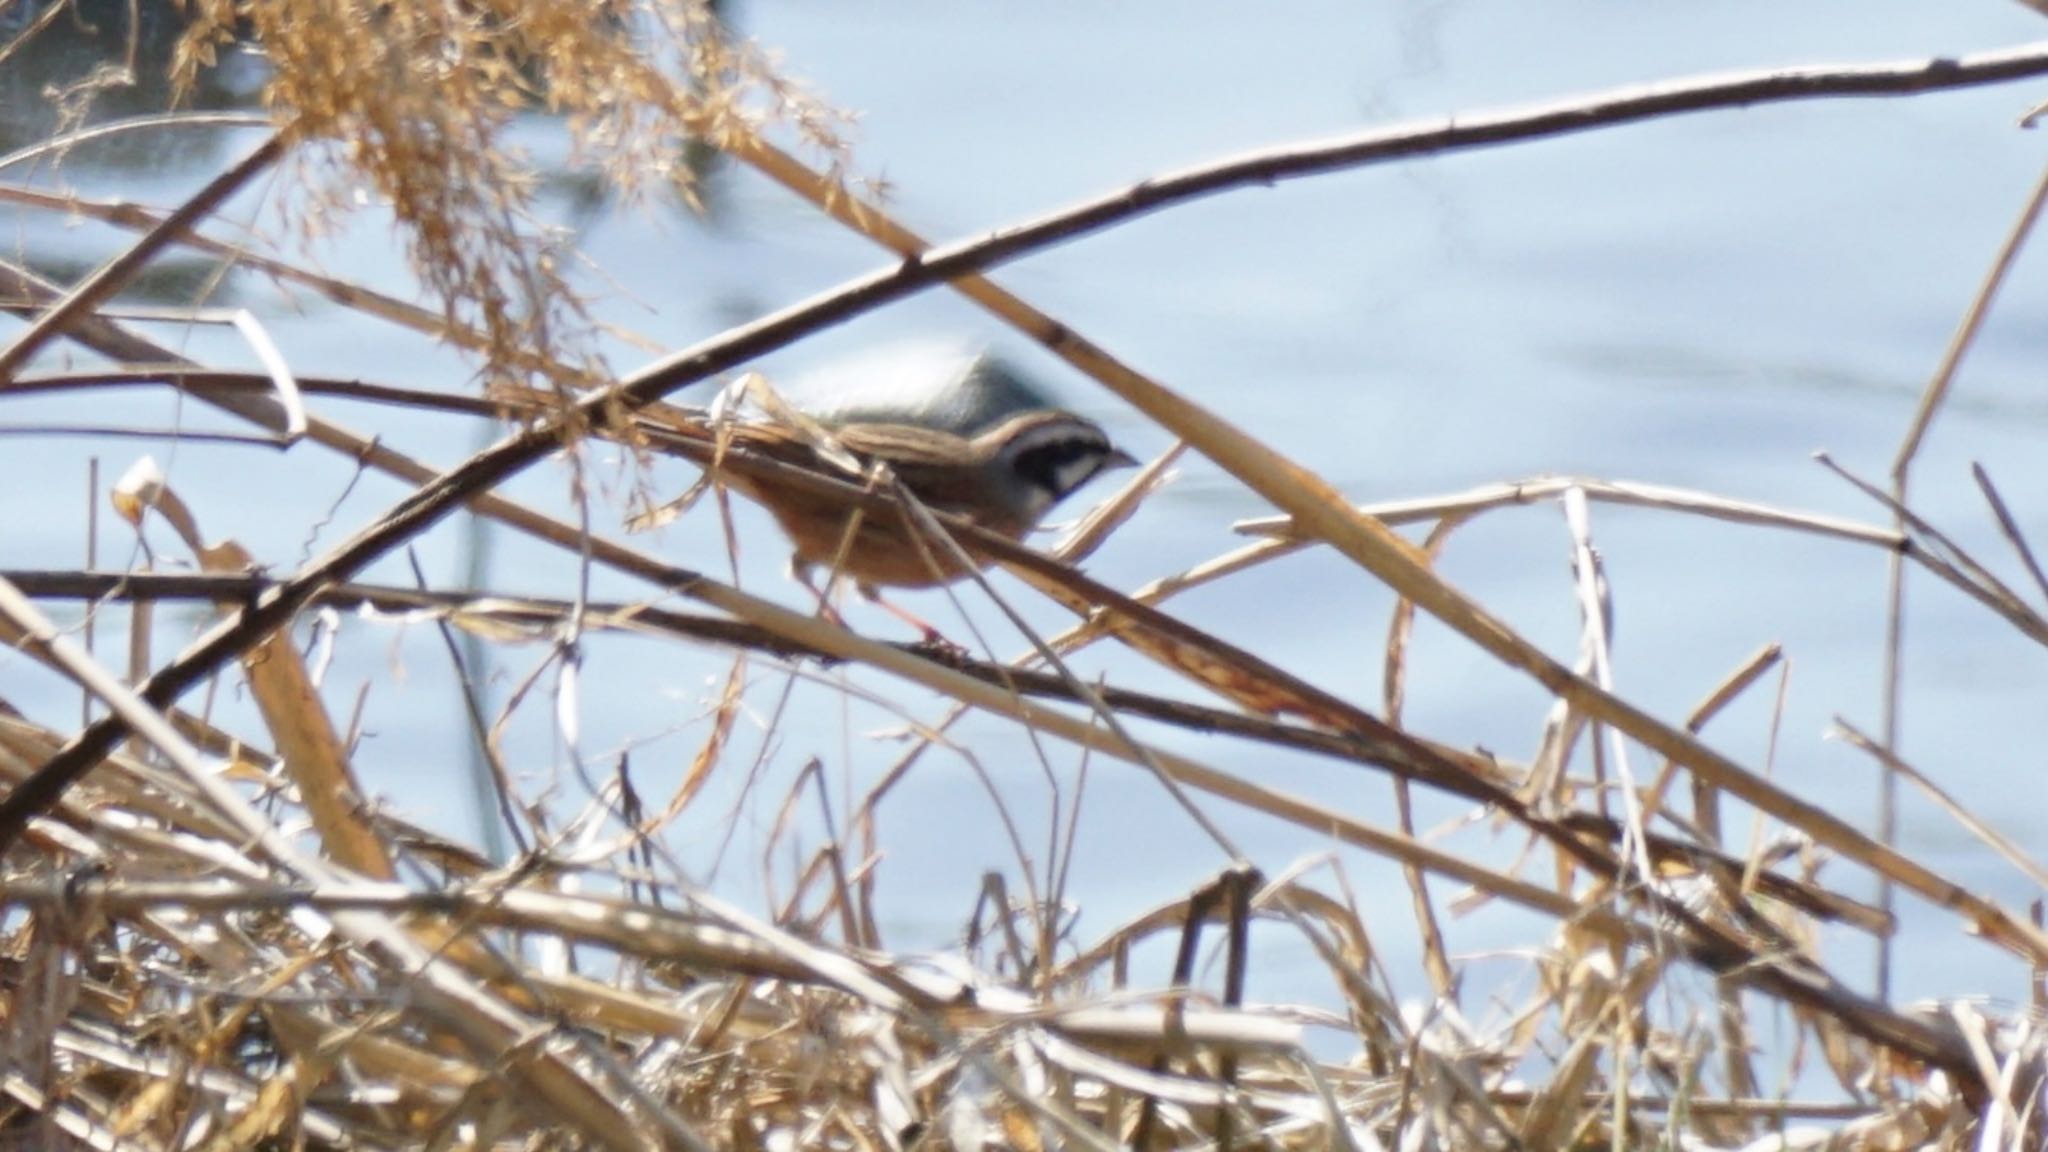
point(944, 470)
point(901, 446)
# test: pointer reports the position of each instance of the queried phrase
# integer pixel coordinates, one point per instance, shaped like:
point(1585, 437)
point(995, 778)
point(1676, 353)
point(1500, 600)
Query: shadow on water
point(84, 62)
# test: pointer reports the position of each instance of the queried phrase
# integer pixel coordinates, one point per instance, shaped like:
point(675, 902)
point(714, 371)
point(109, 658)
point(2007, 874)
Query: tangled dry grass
point(212, 939)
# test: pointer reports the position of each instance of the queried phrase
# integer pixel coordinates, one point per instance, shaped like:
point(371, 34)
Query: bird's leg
point(928, 637)
point(801, 573)
point(931, 638)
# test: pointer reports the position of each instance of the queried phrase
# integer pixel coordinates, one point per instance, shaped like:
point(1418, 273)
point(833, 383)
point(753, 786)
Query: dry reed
point(213, 937)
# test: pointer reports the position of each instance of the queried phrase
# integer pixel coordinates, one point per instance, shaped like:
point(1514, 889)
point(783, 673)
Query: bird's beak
point(1118, 458)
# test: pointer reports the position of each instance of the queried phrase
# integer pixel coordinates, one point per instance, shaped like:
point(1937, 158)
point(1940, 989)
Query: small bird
point(960, 430)
point(1005, 479)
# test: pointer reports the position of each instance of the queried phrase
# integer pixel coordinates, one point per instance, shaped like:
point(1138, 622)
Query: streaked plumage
point(1005, 479)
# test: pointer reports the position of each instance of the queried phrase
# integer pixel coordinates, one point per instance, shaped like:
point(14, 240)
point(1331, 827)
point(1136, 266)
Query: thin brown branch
point(2009, 527)
point(113, 276)
point(186, 377)
point(346, 294)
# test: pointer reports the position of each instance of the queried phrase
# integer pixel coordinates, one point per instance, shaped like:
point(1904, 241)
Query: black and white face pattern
point(1052, 460)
